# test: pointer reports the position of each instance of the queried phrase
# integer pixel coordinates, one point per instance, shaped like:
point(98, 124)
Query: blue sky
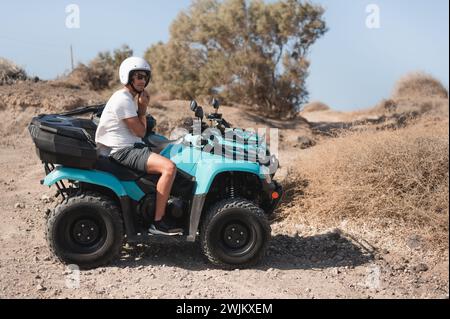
point(352, 66)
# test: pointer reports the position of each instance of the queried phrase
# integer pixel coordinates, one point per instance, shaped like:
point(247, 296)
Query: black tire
point(86, 230)
point(235, 234)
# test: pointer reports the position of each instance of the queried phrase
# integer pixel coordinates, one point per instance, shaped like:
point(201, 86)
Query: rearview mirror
point(215, 103)
point(194, 105)
point(199, 112)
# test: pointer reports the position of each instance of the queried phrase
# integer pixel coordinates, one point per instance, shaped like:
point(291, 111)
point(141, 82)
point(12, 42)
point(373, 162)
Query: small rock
point(421, 268)
point(19, 206)
point(335, 234)
point(40, 288)
point(305, 142)
point(414, 242)
point(398, 267)
point(335, 271)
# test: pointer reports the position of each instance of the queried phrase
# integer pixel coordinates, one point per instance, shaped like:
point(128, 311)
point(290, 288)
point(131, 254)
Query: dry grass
point(417, 93)
point(419, 85)
point(389, 179)
point(10, 72)
point(315, 107)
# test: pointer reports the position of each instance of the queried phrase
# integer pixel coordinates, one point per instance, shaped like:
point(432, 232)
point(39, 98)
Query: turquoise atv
point(223, 193)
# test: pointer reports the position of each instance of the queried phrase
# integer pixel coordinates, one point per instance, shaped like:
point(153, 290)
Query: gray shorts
point(135, 157)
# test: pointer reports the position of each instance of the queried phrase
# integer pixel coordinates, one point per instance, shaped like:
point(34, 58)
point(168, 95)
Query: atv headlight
point(265, 171)
point(274, 165)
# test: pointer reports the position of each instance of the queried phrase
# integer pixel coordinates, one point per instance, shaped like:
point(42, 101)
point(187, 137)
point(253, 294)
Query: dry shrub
point(397, 178)
point(97, 75)
point(386, 106)
point(420, 85)
point(10, 72)
point(102, 72)
point(158, 96)
point(418, 93)
point(315, 107)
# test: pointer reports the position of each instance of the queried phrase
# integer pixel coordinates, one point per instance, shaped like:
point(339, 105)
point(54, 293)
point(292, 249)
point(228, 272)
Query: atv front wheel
point(235, 233)
point(86, 230)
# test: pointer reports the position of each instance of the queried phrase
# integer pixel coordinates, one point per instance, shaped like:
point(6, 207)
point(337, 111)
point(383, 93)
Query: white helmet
point(133, 64)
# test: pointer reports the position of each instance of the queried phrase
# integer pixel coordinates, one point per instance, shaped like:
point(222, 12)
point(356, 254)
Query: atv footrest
point(149, 238)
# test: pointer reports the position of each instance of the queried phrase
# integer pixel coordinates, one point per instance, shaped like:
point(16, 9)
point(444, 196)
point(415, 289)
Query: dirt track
point(301, 262)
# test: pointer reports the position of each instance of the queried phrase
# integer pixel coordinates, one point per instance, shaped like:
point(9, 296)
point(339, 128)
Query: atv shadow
point(284, 252)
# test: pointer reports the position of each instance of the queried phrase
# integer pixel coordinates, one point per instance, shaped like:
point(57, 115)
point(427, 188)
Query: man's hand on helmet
point(143, 102)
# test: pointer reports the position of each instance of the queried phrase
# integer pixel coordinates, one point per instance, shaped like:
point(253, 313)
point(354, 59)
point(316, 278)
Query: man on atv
point(122, 127)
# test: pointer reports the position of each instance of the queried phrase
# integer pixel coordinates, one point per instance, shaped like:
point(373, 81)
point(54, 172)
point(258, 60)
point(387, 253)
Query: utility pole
point(71, 56)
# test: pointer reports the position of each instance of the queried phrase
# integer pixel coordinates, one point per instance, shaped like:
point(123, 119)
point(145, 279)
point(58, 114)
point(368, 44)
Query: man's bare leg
point(158, 164)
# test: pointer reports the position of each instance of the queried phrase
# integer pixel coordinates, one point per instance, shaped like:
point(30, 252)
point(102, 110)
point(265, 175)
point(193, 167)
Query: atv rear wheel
point(235, 233)
point(86, 230)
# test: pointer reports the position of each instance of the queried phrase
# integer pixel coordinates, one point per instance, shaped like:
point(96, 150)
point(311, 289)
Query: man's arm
point(138, 125)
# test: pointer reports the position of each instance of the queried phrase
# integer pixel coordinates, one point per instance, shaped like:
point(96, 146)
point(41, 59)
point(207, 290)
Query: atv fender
point(207, 172)
point(121, 189)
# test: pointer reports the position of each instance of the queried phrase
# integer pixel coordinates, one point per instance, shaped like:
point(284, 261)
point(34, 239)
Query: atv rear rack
point(63, 190)
point(94, 109)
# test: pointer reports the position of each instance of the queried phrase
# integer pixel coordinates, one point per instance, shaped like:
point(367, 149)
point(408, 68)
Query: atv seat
point(105, 164)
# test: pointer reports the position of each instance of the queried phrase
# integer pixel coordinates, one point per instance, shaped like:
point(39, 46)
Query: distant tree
point(103, 70)
point(244, 51)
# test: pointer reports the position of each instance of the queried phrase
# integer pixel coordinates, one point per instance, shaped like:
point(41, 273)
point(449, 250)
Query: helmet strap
point(134, 88)
point(132, 85)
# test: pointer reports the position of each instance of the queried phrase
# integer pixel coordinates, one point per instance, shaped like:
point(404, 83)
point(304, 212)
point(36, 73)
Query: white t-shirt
point(113, 133)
